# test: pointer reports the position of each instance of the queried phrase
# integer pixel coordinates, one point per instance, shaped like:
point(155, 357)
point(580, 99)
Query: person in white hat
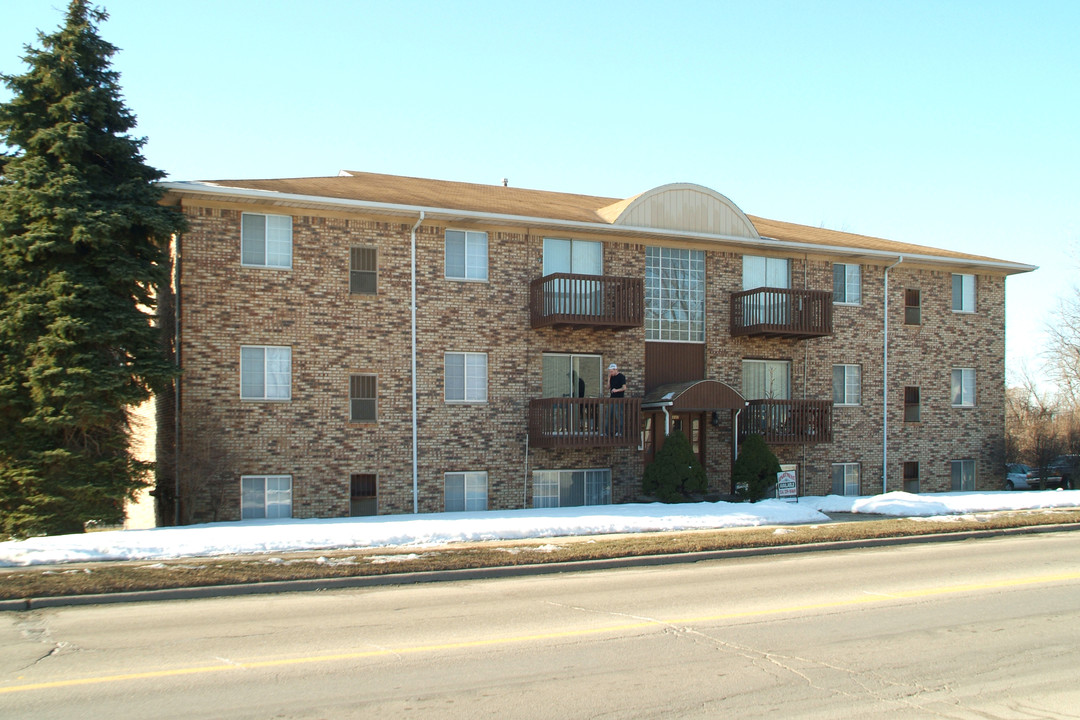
point(617, 388)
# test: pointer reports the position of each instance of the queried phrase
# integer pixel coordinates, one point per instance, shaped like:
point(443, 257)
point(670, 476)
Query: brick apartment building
point(367, 344)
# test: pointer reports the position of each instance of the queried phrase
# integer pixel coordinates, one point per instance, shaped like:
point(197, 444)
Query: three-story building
point(367, 344)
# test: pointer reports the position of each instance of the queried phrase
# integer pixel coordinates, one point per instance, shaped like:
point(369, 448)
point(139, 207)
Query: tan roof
point(397, 190)
point(541, 204)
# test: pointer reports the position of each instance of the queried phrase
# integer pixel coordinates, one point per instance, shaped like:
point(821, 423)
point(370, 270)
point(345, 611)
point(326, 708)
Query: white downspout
point(667, 420)
point(415, 432)
point(735, 432)
point(885, 387)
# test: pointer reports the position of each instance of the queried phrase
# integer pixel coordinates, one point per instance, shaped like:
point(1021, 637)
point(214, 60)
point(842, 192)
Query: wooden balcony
point(587, 301)
point(584, 422)
point(788, 422)
point(779, 312)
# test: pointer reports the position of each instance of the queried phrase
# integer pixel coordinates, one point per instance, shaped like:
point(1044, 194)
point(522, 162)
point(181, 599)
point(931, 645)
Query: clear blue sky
point(950, 124)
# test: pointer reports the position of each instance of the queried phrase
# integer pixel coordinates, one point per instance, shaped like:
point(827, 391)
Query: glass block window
point(674, 294)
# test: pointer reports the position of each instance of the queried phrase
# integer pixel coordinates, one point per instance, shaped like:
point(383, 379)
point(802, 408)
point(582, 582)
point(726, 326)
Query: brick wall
point(333, 333)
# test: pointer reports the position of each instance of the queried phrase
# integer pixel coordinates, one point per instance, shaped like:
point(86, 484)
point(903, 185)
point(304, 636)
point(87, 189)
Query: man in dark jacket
point(617, 387)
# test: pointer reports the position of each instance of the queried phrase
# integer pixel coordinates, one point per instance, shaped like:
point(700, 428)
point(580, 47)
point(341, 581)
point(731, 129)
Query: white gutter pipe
point(415, 432)
point(885, 387)
point(735, 431)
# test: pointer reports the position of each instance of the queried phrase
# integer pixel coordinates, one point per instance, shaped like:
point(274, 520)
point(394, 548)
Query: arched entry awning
point(693, 396)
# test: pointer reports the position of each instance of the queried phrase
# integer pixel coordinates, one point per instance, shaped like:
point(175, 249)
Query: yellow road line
point(286, 662)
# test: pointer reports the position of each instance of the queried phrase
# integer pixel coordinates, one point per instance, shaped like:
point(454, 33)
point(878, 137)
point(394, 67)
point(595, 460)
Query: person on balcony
point(617, 388)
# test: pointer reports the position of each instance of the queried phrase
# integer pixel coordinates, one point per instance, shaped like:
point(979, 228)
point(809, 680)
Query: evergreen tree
point(675, 473)
point(83, 244)
point(755, 468)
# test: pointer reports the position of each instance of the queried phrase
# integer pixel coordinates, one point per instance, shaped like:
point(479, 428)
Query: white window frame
point(968, 476)
point(964, 300)
point(573, 244)
point(547, 487)
point(674, 294)
point(473, 377)
point(852, 477)
point(474, 263)
point(760, 271)
point(851, 288)
point(852, 385)
point(473, 492)
point(265, 371)
point(274, 503)
point(271, 245)
point(962, 380)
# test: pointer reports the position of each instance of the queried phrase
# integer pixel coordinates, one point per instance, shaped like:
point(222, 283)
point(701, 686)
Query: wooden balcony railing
point(587, 300)
point(584, 422)
point(788, 422)
point(782, 313)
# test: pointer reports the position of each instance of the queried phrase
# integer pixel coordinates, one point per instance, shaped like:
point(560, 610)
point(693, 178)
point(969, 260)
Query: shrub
point(675, 473)
point(755, 468)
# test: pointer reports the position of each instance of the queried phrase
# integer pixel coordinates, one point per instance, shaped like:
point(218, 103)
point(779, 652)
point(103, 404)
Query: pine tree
point(675, 474)
point(83, 244)
point(755, 469)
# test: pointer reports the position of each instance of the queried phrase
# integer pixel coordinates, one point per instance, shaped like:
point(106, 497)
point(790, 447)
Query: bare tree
point(1035, 427)
point(1063, 349)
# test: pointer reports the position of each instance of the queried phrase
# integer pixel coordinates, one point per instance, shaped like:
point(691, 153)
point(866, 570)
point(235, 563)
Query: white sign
point(787, 484)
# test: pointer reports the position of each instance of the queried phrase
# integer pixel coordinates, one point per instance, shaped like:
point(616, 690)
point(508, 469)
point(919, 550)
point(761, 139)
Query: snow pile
point(279, 536)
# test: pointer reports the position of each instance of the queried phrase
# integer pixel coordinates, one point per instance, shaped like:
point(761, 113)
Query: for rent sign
point(786, 484)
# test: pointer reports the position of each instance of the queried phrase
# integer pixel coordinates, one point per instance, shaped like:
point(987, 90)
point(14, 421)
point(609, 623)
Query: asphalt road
point(973, 629)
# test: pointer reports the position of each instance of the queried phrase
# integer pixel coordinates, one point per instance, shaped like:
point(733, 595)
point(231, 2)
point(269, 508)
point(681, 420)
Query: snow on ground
point(279, 536)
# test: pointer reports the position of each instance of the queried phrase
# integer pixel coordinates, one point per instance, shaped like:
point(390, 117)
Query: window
point(574, 296)
point(572, 376)
point(466, 377)
point(759, 272)
point(265, 496)
point(465, 491)
point(963, 387)
point(847, 284)
point(766, 307)
point(362, 398)
point(466, 255)
point(363, 495)
point(911, 477)
point(963, 475)
point(846, 385)
point(766, 379)
point(266, 240)
point(912, 406)
point(265, 372)
point(674, 295)
point(571, 488)
point(845, 479)
point(581, 257)
point(912, 307)
point(363, 271)
point(963, 293)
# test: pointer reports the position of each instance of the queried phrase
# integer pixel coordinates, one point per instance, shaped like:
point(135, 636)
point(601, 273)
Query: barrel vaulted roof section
point(679, 211)
point(682, 206)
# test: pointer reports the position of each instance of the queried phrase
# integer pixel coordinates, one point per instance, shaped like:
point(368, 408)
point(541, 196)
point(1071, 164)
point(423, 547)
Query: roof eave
point(437, 213)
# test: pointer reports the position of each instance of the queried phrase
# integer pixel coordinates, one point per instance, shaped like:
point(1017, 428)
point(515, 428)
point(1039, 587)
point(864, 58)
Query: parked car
point(1059, 472)
point(1016, 476)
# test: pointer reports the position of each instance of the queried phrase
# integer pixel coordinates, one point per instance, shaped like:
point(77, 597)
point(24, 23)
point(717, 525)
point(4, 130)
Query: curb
point(416, 578)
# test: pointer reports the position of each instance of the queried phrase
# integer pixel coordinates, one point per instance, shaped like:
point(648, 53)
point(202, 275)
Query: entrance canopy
point(694, 396)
